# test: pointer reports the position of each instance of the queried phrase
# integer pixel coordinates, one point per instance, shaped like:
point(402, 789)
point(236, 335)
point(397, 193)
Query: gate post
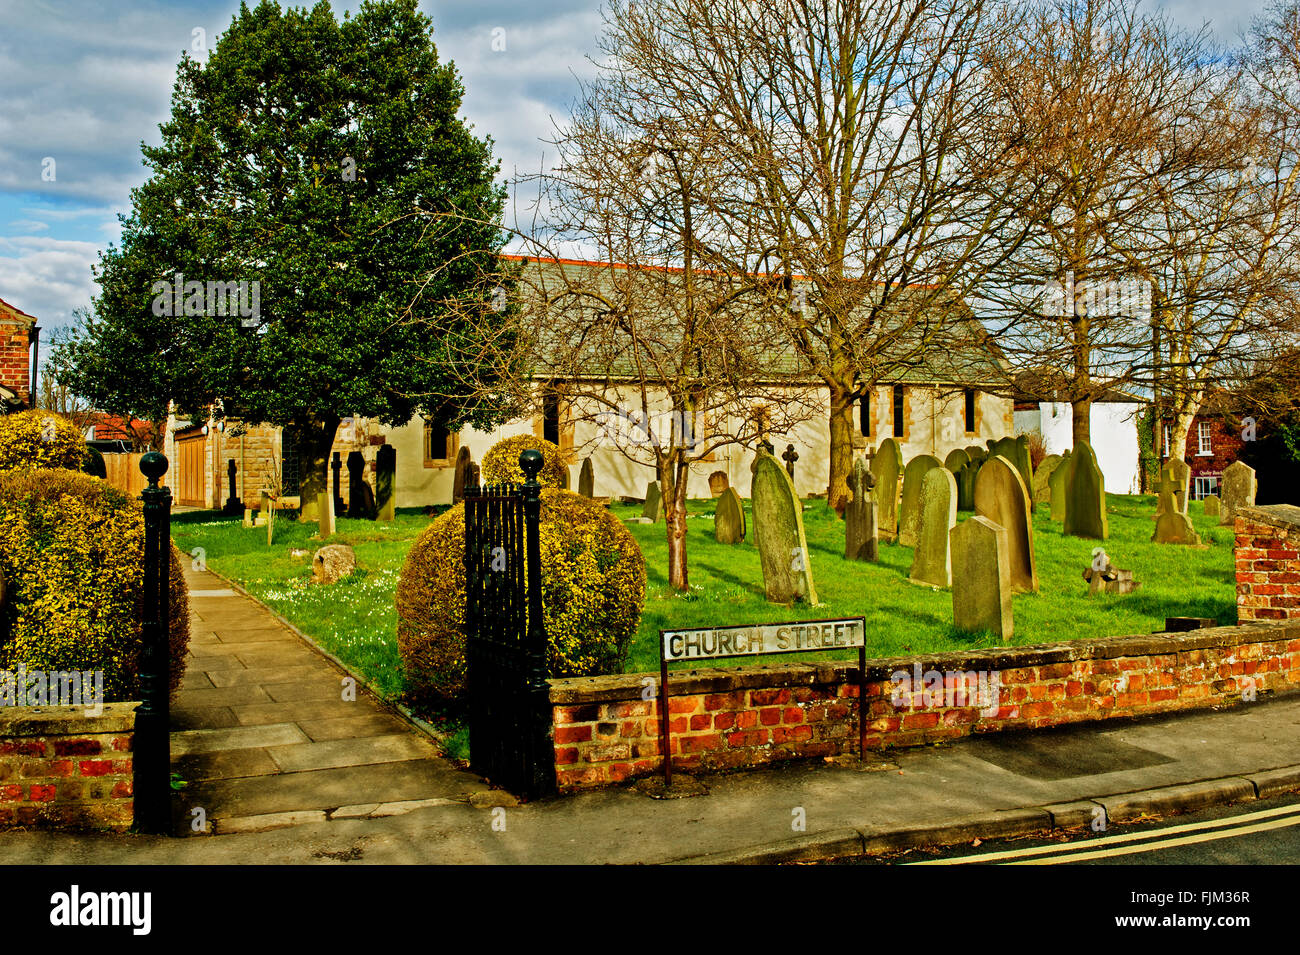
point(152, 757)
point(539, 690)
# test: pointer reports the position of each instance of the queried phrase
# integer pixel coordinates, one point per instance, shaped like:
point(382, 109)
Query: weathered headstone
point(729, 518)
point(860, 541)
point(981, 577)
point(932, 561)
point(587, 479)
point(1172, 525)
point(779, 533)
point(909, 515)
point(1042, 474)
point(653, 507)
point(1180, 473)
point(976, 453)
point(1085, 495)
point(718, 483)
point(325, 514)
point(956, 460)
point(361, 501)
point(1211, 506)
point(332, 563)
point(385, 471)
point(886, 468)
point(1056, 488)
point(1237, 488)
point(789, 456)
point(966, 485)
point(460, 475)
point(1000, 495)
point(264, 508)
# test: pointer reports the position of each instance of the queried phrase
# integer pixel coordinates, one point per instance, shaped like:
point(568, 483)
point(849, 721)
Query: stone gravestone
point(233, 504)
point(789, 456)
point(909, 516)
point(1056, 489)
point(460, 475)
point(1016, 450)
point(976, 453)
point(587, 479)
point(860, 541)
point(956, 460)
point(779, 533)
point(718, 483)
point(966, 484)
point(886, 468)
point(1172, 525)
point(1237, 488)
point(1180, 476)
point(653, 507)
point(326, 513)
point(932, 561)
point(1000, 495)
point(385, 472)
point(981, 578)
point(1211, 506)
point(729, 518)
point(1042, 474)
point(1085, 495)
point(336, 465)
point(361, 501)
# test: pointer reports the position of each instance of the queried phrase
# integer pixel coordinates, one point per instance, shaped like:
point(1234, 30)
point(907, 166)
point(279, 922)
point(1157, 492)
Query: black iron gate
point(510, 737)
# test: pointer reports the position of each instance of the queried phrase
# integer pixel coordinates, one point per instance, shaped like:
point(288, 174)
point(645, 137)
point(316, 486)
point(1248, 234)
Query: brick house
point(1214, 441)
point(16, 331)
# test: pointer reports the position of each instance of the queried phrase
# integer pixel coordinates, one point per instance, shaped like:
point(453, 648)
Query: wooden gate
point(191, 463)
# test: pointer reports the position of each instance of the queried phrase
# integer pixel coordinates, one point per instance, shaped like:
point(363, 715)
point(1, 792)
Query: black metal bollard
point(539, 690)
point(152, 747)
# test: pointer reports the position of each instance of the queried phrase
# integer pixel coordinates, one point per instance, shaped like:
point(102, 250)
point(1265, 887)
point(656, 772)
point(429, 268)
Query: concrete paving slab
point(221, 696)
point(269, 676)
point(353, 727)
point(350, 752)
point(231, 764)
point(300, 692)
point(300, 710)
point(238, 737)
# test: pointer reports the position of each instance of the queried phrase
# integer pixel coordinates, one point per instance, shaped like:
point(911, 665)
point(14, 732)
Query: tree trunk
point(841, 424)
point(1081, 427)
point(1178, 432)
point(676, 473)
point(313, 440)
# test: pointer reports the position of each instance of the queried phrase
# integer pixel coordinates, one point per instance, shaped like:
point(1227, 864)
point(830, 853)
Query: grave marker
point(1237, 488)
point(909, 517)
point(1085, 495)
point(729, 518)
point(860, 541)
point(779, 533)
point(932, 561)
point(981, 578)
point(1000, 496)
point(886, 468)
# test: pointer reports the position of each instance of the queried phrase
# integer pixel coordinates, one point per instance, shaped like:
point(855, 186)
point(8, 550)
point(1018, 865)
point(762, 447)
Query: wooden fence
point(123, 472)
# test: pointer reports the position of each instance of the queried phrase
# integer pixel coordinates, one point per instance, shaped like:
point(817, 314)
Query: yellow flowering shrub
point(501, 463)
point(593, 591)
point(72, 557)
point(40, 439)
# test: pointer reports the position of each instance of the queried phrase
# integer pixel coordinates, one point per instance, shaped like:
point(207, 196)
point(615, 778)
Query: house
point(17, 332)
point(952, 398)
point(1040, 406)
point(1214, 441)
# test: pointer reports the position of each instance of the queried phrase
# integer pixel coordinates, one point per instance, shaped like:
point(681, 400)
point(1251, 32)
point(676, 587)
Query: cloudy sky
point(84, 82)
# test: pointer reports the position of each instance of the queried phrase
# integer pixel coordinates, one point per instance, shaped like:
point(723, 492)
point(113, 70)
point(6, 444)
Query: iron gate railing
point(510, 735)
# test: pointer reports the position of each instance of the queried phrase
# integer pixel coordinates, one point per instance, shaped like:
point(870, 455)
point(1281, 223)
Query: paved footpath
point(288, 772)
point(264, 736)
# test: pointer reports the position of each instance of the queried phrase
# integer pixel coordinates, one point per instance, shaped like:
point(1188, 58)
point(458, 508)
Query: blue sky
point(84, 82)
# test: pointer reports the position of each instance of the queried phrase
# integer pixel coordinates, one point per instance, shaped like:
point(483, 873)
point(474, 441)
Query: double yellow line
point(1133, 842)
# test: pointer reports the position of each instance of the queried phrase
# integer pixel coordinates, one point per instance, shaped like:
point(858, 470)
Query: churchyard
point(355, 619)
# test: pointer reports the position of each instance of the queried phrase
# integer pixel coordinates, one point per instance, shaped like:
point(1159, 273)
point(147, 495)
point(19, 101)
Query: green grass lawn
point(355, 619)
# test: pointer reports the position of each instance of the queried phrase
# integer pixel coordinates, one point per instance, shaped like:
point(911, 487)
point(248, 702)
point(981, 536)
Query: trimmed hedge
point(72, 556)
point(40, 439)
point(501, 463)
point(593, 591)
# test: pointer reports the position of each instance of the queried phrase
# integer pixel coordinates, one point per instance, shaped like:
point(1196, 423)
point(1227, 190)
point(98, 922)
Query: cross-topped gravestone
point(1172, 525)
point(860, 541)
point(789, 456)
point(1180, 475)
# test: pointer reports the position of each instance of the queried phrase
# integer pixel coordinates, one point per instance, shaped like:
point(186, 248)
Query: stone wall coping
point(630, 686)
point(1284, 516)
point(66, 720)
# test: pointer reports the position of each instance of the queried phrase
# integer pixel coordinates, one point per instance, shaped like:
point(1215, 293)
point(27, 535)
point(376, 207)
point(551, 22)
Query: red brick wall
point(60, 768)
point(15, 361)
point(1268, 562)
point(750, 716)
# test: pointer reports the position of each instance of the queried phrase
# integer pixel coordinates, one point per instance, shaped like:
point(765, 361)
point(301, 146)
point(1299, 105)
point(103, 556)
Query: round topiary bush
point(72, 559)
point(501, 463)
point(593, 590)
point(40, 439)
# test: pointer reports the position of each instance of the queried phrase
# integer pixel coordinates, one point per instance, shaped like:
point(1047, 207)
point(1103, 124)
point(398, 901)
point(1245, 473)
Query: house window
point(864, 414)
point(1204, 485)
point(555, 422)
point(898, 411)
point(1203, 447)
point(440, 445)
point(551, 418)
point(970, 410)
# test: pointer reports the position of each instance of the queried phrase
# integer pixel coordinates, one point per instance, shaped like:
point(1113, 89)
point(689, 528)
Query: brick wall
point(60, 768)
point(727, 718)
point(15, 359)
point(1268, 562)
